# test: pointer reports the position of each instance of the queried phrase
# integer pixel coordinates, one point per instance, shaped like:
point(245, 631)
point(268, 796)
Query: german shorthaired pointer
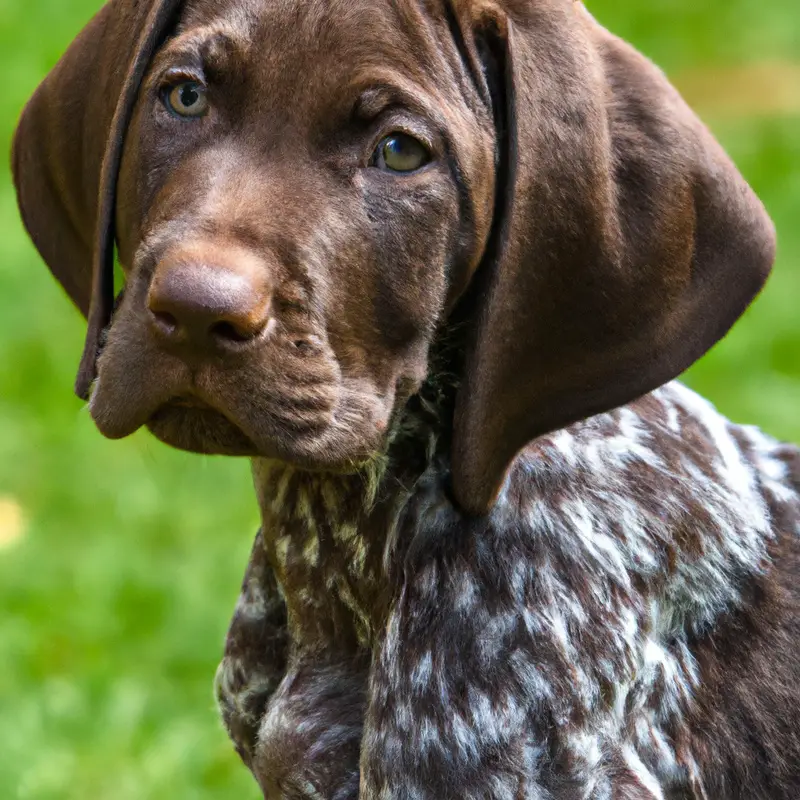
point(433, 265)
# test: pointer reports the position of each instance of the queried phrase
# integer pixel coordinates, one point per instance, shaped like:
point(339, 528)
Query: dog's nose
point(206, 306)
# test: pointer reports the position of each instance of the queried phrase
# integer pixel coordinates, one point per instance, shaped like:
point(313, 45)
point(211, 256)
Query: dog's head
point(303, 191)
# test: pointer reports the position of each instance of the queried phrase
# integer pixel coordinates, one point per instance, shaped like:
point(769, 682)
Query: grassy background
point(120, 562)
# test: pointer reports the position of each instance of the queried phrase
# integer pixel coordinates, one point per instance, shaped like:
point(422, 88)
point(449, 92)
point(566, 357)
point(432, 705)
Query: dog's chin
point(198, 428)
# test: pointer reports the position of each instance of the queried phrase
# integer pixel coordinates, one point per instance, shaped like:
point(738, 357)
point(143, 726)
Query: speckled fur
point(482, 610)
point(565, 646)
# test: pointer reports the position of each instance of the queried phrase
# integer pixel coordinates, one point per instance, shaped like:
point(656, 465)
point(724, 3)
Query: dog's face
point(304, 167)
point(303, 191)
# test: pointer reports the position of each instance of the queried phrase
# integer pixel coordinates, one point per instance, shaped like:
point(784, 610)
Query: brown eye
point(400, 152)
point(187, 99)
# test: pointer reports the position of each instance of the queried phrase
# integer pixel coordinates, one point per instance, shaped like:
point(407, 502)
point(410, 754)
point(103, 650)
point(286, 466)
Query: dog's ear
point(626, 243)
point(67, 150)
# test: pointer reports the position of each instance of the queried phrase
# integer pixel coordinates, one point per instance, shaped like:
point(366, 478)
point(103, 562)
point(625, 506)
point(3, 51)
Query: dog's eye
point(400, 152)
point(187, 99)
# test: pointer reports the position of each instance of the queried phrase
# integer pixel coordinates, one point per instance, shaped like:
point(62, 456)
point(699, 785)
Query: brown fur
point(616, 241)
point(577, 240)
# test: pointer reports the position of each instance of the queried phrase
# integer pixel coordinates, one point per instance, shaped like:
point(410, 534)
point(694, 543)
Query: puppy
point(432, 265)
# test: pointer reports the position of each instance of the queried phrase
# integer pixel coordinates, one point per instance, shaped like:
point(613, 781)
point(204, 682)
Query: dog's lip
point(188, 401)
point(213, 431)
point(188, 404)
point(203, 427)
point(222, 410)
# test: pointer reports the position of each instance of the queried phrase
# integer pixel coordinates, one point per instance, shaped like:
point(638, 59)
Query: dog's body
point(617, 627)
point(436, 283)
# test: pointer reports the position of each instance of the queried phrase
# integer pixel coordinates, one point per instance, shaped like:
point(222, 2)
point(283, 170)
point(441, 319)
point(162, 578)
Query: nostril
point(166, 321)
point(229, 332)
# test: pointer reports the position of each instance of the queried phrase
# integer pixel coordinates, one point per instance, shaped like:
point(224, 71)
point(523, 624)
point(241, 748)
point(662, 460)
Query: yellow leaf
point(11, 523)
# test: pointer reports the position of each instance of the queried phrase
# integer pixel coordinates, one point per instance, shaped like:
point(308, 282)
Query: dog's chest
point(327, 556)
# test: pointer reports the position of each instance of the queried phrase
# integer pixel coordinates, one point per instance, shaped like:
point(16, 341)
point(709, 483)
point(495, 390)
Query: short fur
point(502, 554)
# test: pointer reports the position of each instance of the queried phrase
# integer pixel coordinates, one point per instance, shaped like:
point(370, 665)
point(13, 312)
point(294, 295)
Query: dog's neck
point(331, 538)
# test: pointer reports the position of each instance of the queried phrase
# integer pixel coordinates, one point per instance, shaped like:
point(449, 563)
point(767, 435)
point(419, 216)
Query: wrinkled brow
point(379, 90)
point(215, 48)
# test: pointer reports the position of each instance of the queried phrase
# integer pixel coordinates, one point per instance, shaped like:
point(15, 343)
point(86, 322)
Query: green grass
point(114, 603)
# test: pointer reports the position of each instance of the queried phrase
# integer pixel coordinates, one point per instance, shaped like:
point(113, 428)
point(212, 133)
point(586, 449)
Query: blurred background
point(120, 562)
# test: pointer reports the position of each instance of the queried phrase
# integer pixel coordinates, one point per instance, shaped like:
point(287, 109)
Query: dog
point(434, 265)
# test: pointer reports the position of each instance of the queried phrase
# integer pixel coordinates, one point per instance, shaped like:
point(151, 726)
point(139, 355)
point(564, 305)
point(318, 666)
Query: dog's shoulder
point(665, 491)
point(671, 443)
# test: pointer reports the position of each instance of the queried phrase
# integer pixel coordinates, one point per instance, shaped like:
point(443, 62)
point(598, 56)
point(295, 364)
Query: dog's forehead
point(352, 30)
point(307, 58)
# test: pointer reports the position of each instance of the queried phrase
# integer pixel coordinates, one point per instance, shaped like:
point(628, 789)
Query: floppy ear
point(67, 150)
point(626, 242)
